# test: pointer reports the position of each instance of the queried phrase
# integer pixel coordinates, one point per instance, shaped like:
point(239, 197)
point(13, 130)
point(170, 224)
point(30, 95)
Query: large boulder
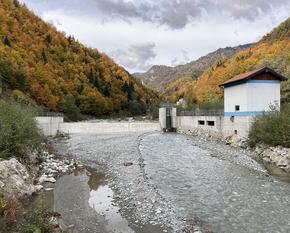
point(15, 180)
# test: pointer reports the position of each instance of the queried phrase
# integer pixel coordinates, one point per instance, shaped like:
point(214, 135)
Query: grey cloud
point(136, 57)
point(182, 60)
point(250, 9)
point(175, 14)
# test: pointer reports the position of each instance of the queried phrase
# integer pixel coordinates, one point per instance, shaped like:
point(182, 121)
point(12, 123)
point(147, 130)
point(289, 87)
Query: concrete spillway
point(51, 125)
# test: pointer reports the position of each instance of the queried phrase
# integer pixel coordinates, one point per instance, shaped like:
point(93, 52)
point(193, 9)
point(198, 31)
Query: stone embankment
point(278, 157)
point(19, 181)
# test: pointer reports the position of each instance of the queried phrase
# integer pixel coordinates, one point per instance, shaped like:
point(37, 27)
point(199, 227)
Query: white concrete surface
point(225, 126)
point(162, 118)
point(108, 127)
point(253, 97)
point(51, 125)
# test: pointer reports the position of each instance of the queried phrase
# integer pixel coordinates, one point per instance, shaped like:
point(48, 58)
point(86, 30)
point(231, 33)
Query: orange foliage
point(47, 65)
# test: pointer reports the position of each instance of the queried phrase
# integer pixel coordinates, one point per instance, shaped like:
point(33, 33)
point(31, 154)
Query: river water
point(223, 186)
point(229, 197)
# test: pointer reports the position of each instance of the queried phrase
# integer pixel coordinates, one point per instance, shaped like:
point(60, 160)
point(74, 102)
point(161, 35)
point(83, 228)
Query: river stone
point(283, 162)
point(44, 179)
point(15, 180)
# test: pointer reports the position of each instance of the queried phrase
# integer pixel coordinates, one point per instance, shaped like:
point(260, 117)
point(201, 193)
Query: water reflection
point(101, 200)
point(85, 201)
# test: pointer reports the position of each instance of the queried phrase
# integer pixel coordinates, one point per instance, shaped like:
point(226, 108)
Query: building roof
point(241, 78)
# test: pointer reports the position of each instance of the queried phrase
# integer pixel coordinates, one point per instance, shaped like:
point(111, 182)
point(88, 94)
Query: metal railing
point(201, 112)
point(167, 105)
point(49, 114)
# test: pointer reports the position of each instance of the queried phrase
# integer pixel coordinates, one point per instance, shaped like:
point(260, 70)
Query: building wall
point(262, 94)
point(235, 95)
point(253, 97)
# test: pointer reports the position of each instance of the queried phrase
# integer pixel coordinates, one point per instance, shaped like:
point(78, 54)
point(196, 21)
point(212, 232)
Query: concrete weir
point(50, 125)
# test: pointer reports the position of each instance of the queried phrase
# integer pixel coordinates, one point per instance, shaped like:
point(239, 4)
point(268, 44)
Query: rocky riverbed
point(177, 183)
point(276, 159)
point(153, 183)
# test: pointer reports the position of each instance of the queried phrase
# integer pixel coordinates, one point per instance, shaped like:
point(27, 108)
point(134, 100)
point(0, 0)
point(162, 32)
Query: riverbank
point(20, 180)
point(275, 159)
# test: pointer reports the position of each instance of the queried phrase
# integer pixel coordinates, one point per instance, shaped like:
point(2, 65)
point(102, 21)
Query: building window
point(201, 122)
point(237, 107)
point(210, 123)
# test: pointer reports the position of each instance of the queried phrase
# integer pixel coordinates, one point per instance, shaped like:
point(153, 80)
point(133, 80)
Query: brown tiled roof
point(250, 74)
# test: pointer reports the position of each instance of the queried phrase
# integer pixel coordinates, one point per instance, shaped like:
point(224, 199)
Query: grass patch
point(272, 128)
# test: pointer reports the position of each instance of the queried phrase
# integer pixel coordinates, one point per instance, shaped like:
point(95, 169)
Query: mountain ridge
point(159, 76)
point(272, 50)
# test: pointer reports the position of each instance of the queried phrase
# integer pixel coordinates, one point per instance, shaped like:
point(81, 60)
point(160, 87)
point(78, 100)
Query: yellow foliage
point(48, 65)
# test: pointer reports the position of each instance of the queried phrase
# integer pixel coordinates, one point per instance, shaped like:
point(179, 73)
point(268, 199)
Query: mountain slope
point(158, 77)
point(273, 50)
point(47, 66)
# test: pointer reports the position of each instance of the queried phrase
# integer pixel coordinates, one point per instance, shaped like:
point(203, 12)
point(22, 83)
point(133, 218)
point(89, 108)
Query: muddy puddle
point(86, 204)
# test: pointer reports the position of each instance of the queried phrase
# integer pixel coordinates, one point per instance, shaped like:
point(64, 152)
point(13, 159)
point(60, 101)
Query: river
point(176, 177)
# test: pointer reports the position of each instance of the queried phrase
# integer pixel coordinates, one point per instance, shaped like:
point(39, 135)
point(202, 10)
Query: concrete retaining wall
point(108, 127)
point(50, 126)
point(225, 126)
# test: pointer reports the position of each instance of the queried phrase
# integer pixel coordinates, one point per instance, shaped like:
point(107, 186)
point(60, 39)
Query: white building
point(252, 93)
point(245, 96)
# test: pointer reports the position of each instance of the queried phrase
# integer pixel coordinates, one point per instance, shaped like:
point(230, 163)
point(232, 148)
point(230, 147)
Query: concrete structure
point(246, 95)
point(167, 117)
point(220, 125)
point(50, 125)
point(252, 93)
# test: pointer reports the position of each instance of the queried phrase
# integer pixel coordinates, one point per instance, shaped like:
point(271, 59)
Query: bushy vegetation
point(14, 218)
point(272, 128)
point(48, 66)
point(19, 134)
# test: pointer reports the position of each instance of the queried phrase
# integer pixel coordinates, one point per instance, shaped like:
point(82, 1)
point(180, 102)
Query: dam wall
point(51, 125)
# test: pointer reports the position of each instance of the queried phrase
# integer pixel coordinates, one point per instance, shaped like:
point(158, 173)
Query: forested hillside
point(51, 68)
point(160, 77)
point(273, 50)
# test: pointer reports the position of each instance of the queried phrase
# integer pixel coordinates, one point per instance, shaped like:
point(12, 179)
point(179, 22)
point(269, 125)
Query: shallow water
point(85, 203)
point(228, 194)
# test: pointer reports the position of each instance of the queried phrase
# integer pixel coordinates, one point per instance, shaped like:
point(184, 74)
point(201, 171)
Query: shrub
point(70, 109)
point(19, 134)
point(272, 128)
point(20, 97)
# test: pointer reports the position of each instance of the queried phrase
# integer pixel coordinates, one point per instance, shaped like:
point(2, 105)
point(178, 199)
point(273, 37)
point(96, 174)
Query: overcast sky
point(140, 33)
